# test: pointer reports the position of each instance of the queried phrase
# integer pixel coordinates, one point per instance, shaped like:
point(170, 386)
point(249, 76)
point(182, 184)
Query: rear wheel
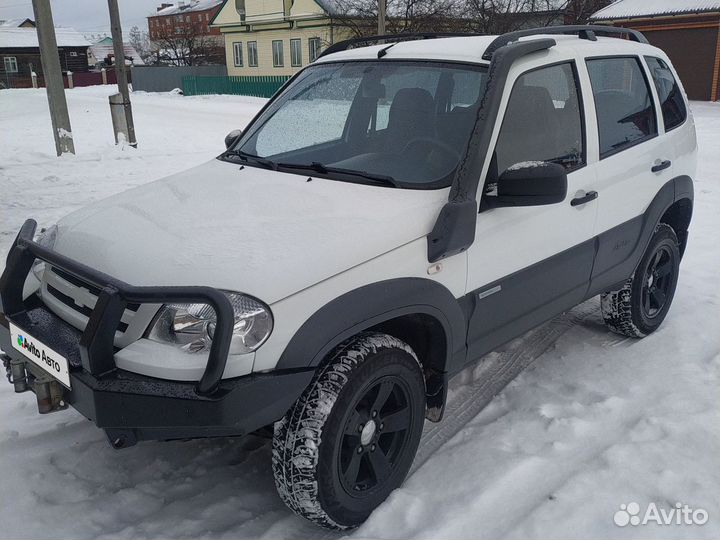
point(640, 306)
point(351, 437)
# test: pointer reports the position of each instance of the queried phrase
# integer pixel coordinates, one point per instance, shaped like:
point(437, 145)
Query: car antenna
point(382, 52)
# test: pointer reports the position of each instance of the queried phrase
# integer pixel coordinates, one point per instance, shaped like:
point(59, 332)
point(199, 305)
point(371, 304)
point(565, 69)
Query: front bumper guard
point(128, 406)
point(96, 343)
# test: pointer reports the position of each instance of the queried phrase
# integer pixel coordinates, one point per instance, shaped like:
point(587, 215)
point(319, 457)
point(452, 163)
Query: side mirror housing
point(529, 184)
point(232, 137)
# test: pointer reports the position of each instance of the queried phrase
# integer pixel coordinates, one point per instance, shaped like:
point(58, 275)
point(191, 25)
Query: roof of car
point(471, 48)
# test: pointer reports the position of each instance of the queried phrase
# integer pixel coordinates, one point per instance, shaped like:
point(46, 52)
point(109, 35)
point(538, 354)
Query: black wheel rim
point(657, 282)
point(375, 436)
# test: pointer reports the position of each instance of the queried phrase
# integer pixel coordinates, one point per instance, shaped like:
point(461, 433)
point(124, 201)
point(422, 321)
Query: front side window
point(252, 53)
point(277, 49)
point(295, 52)
point(11, 64)
point(623, 103)
point(237, 54)
point(543, 121)
point(313, 48)
point(672, 104)
point(407, 123)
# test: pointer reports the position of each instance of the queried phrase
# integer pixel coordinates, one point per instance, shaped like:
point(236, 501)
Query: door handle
point(661, 166)
point(589, 196)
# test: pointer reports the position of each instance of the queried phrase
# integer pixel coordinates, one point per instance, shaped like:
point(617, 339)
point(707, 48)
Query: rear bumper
point(131, 407)
point(128, 406)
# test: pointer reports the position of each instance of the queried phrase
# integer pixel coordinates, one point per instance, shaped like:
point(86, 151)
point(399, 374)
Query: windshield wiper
point(251, 158)
point(317, 167)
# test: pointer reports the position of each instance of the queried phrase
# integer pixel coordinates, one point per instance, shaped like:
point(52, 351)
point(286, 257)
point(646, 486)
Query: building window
point(237, 54)
point(313, 48)
point(295, 52)
point(11, 64)
point(277, 49)
point(73, 53)
point(252, 53)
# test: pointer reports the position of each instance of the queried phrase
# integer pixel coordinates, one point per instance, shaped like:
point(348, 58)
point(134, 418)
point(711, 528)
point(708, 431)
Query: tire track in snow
point(493, 373)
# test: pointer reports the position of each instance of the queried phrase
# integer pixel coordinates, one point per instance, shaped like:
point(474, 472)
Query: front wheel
point(351, 437)
point(640, 306)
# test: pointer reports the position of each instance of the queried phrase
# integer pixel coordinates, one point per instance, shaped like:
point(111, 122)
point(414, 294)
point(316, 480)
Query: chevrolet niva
point(401, 207)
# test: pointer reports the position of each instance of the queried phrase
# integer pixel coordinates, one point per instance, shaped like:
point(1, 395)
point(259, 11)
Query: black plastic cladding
point(96, 344)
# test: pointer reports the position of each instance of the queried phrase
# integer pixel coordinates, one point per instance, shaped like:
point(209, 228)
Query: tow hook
point(16, 375)
point(49, 394)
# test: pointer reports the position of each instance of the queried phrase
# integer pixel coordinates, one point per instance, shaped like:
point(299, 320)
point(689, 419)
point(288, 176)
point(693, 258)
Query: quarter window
point(543, 121)
point(238, 54)
point(295, 52)
point(277, 48)
point(672, 104)
point(313, 48)
point(624, 106)
point(252, 53)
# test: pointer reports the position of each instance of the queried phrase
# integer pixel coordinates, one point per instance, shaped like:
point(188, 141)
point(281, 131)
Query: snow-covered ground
point(595, 422)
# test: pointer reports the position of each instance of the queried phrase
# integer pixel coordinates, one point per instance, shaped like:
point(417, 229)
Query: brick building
point(176, 18)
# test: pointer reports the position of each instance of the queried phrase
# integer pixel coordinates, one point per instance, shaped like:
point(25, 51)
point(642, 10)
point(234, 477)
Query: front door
point(528, 264)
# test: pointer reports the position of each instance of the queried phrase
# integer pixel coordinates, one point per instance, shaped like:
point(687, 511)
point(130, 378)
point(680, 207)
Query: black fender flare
point(617, 259)
point(368, 306)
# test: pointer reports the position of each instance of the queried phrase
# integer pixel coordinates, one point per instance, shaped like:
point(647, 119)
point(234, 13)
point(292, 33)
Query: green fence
point(241, 86)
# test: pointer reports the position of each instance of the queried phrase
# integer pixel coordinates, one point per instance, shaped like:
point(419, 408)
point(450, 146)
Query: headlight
point(46, 239)
point(191, 326)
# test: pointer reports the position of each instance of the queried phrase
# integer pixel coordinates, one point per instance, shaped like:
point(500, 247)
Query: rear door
point(529, 263)
point(635, 160)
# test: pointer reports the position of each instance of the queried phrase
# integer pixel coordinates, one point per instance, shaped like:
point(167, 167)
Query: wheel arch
point(620, 249)
point(419, 311)
point(679, 213)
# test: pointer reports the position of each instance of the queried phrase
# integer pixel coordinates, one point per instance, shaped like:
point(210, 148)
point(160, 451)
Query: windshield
point(393, 122)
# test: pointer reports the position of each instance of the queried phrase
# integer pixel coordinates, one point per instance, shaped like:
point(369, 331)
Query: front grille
point(91, 288)
point(68, 301)
point(71, 286)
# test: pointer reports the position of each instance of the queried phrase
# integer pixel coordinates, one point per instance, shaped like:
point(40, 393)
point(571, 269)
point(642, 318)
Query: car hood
point(252, 230)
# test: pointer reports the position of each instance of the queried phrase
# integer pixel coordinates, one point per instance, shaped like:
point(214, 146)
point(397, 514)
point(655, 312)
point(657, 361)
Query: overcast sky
point(86, 16)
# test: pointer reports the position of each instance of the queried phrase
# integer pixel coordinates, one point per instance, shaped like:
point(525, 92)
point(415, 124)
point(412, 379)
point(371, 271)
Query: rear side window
point(623, 103)
point(543, 121)
point(672, 103)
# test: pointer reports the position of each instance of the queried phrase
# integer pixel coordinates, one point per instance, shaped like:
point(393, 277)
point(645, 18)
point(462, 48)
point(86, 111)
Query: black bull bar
point(96, 342)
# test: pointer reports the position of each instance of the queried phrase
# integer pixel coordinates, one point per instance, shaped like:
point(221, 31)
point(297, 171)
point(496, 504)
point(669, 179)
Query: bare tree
point(184, 44)
point(359, 17)
point(500, 16)
point(472, 16)
point(140, 42)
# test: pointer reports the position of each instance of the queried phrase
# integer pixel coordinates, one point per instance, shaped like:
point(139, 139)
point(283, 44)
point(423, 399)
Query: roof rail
point(583, 32)
point(389, 38)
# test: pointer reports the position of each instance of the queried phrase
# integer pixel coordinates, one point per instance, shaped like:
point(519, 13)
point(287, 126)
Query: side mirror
point(529, 184)
point(232, 137)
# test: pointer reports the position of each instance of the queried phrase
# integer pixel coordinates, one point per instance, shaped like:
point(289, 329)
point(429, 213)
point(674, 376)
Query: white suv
point(395, 212)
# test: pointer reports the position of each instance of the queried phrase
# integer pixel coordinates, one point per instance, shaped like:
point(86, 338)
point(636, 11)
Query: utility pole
point(120, 107)
point(381, 17)
point(50, 60)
